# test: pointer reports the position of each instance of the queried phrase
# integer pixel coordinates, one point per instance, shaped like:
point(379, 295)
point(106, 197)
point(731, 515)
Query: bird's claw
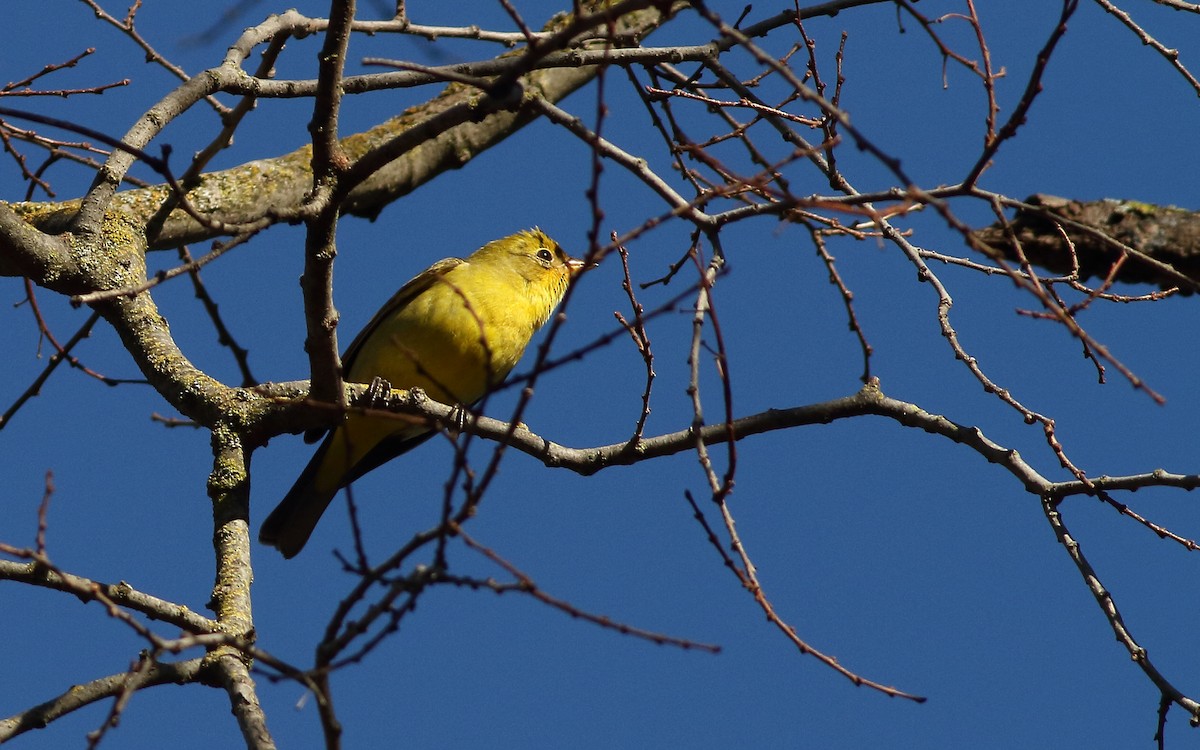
point(377, 393)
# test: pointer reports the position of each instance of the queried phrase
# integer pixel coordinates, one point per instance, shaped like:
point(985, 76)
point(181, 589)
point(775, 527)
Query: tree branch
point(79, 696)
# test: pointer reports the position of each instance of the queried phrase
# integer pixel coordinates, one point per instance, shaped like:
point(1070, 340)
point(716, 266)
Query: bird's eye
point(544, 255)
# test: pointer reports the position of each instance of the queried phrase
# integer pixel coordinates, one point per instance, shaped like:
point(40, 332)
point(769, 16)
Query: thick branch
point(239, 199)
point(229, 489)
point(1168, 239)
point(28, 252)
point(234, 677)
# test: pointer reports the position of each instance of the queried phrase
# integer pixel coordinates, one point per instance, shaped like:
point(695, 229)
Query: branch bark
point(404, 153)
point(1089, 237)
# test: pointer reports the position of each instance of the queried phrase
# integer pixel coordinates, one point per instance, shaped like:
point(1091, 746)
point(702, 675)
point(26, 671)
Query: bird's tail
point(290, 525)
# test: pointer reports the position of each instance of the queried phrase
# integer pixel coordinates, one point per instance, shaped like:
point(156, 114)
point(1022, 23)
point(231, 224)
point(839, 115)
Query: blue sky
point(910, 558)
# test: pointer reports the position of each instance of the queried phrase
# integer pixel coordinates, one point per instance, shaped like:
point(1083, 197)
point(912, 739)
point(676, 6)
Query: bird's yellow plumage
point(454, 331)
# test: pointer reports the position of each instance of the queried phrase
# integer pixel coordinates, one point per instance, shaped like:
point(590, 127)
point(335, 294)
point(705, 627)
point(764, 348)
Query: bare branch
point(80, 696)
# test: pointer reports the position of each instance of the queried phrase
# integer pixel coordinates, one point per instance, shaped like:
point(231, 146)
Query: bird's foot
point(377, 393)
point(457, 421)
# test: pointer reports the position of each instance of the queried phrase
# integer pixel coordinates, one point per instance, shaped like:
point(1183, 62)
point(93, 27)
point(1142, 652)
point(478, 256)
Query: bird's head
point(535, 257)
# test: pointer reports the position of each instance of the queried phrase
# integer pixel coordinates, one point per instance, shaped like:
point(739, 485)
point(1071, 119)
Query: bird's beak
point(576, 266)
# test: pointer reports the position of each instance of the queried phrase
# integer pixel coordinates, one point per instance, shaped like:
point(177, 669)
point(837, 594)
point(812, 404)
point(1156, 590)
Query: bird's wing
point(406, 294)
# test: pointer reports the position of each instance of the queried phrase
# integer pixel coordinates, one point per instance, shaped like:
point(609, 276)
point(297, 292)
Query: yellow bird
point(455, 331)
